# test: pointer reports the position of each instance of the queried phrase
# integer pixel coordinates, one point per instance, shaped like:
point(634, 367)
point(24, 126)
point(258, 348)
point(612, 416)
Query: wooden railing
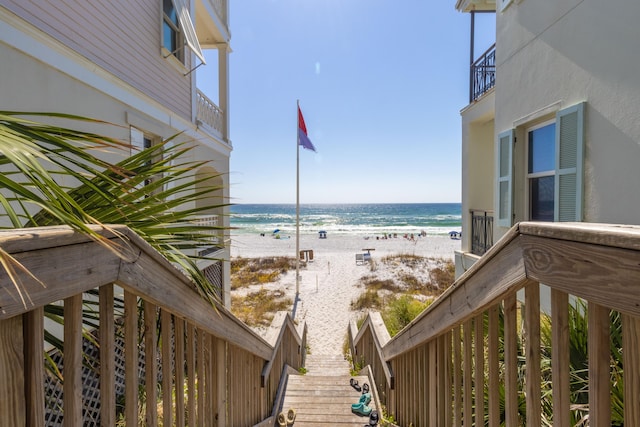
point(221, 379)
point(474, 357)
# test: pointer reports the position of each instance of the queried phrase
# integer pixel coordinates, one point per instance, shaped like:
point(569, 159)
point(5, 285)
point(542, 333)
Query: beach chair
point(366, 257)
point(360, 259)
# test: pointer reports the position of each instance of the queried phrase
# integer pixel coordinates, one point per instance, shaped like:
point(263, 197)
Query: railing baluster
point(131, 358)
point(179, 371)
point(457, 378)
point(511, 360)
point(433, 382)
point(478, 341)
point(167, 371)
point(494, 367)
point(467, 374)
point(191, 375)
point(532, 353)
point(107, 357)
point(72, 369)
point(560, 357)
point(151, 364)
point(34, 368)
point(200, 366)
point(631, 356)
point(599, 367)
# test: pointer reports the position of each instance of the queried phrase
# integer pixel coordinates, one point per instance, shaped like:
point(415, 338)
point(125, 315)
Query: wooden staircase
point(323, 396)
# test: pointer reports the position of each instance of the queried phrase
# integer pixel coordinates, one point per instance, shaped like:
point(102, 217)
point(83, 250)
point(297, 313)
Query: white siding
point(121, 36)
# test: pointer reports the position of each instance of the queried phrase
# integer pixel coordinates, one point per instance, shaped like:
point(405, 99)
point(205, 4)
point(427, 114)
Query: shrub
point(401, 311)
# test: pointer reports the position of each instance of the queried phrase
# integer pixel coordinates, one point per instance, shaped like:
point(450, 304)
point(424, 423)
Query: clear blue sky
point(380, 84)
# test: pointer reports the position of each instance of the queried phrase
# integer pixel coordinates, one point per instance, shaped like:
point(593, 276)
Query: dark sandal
point(365, 388)
point(373, 418)
point(354, 384)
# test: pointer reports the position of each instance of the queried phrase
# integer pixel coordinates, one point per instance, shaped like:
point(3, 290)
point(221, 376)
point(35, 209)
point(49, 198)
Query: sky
point(380, 83)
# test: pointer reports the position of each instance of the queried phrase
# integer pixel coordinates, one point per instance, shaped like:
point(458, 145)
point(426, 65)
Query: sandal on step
point(365, 388)
point(354, 384)
point(282, 420)
point(373, 419)
point(291, 417)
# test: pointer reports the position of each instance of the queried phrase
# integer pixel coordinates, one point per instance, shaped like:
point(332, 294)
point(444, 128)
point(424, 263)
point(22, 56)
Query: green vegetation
point(52, 176)
point(417, 281)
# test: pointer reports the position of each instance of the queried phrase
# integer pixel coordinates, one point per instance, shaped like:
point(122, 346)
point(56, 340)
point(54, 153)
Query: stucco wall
point(561, 53)
point(477, 161)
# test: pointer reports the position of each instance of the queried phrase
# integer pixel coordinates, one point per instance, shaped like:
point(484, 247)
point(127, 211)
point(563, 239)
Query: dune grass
point(416, 282)
point(247, 272)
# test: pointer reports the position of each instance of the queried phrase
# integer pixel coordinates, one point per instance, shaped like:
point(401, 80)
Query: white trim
point(504, 4)
point(538, 114)
point(22, 36)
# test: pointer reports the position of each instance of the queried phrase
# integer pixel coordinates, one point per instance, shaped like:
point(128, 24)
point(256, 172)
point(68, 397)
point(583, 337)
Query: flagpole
point(297, 200)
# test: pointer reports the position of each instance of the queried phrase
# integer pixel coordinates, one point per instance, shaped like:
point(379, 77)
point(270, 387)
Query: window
point(178, 30)
point(140, 142)
point(171, 36)
point(541, 142)
point(554, 163)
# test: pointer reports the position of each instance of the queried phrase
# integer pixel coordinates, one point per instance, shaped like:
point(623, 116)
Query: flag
point(303, 138)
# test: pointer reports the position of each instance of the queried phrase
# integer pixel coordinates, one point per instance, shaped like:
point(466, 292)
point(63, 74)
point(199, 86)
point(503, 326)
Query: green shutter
point(505, 181)
point(569, 163)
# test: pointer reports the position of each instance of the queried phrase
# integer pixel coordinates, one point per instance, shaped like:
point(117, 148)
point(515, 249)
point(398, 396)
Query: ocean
point(360, 219)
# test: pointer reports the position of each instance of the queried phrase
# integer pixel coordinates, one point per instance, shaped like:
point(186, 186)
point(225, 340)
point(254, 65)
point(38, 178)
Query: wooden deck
point(324, 395)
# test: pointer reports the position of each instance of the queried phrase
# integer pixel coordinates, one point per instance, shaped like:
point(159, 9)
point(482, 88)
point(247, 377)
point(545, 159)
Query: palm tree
point(151, 192)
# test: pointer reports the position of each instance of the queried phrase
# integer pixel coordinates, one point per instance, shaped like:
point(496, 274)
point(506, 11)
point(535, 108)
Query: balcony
point(481, 231)
point(483, 74)
point(209, 115)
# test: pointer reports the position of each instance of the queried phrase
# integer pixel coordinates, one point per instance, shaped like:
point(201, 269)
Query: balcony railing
point(220, 6)
point(209, 113)
point(481, 231)
point(483, 73)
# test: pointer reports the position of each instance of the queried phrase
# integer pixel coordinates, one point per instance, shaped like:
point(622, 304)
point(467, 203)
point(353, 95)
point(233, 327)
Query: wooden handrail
point(68, 263)
point(596, 262)
point(53, 264)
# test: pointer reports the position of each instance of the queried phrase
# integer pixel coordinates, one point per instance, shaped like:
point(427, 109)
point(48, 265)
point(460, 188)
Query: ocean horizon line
point(347, 203)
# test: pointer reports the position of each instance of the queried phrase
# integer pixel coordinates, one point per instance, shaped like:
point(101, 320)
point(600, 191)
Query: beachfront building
point(551, 131)
point(132, 64)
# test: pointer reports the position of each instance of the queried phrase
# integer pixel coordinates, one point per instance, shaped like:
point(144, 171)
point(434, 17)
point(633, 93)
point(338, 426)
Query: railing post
point(33, 365)
point(12, 404)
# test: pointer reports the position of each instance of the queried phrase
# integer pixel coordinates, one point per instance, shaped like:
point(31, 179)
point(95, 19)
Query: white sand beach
point(329, 283)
